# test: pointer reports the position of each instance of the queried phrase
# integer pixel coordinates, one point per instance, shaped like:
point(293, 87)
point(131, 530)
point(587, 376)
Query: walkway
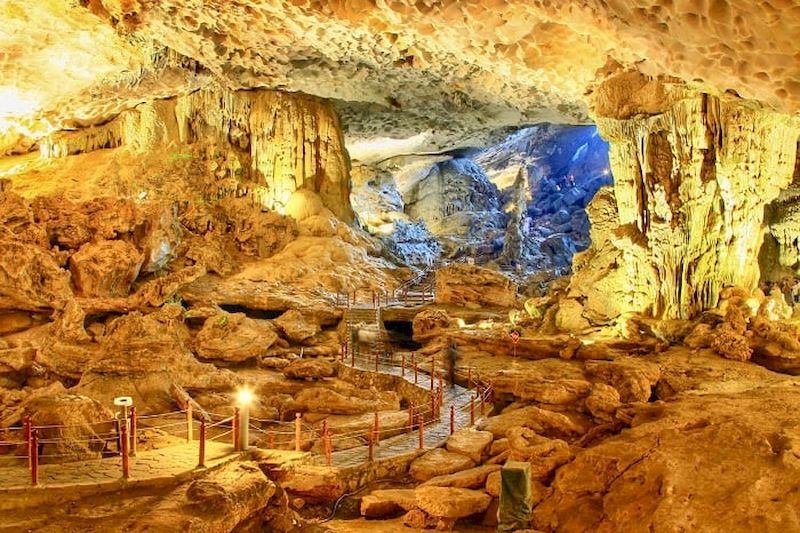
point(170, 462)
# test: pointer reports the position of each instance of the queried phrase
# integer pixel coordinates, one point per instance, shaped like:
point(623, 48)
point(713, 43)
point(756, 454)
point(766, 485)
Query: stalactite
point(692, 182)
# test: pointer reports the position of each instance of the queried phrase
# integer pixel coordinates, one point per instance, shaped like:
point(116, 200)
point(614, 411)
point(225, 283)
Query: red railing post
point(433, 407)
point(410, 417)
point(483, 405)
point(370, 444)
point(134, 430)
point(126, 473)
point(469, 378)
point(433, 371)
point(28, 434)
point(328, 447)
point(376, 360)
point(270, 439)
point(236, 428)
point(33, 456)
point(297, 427)
point(201, 462)
point(189, 421)
point(421, 425)
point(403, 364)
point(471, 410)
point(452, 419)
point(377, 425)
point(416, 370)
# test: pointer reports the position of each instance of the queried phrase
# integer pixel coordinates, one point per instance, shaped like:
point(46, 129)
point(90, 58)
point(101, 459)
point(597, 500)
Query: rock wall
point(282, 142)
point(691, 180)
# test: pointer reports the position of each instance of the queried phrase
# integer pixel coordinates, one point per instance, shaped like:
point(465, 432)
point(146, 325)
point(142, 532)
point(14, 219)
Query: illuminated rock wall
point(281, 141)
point(690, 186)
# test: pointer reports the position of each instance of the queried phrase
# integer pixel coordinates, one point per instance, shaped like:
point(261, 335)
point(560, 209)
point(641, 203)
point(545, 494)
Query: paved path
point(436, 433)
point(166, 462)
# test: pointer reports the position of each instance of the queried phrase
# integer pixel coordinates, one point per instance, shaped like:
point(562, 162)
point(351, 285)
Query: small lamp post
point(244, 398)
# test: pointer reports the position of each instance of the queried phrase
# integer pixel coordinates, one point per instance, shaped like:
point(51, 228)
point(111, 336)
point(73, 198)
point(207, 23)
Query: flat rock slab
point(388, 503)
point(471, 443)
point(439, 462)
point(448, 502)
point(473, 478)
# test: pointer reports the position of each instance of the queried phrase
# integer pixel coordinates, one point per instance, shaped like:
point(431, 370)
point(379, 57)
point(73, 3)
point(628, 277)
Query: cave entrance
point(400, 333)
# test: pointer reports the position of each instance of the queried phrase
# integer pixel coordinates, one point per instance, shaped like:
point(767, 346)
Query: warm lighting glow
point(244, 397)
point(461, 323)
point(606, 172)
point(14, 103)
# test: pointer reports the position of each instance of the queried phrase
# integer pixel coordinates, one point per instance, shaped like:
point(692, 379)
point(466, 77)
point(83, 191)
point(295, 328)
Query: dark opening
point(400, 333)
point(259, 314)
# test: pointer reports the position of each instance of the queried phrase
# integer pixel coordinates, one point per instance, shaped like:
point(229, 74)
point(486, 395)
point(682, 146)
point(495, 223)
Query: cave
point(367, 266)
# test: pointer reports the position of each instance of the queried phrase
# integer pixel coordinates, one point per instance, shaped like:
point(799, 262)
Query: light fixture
point(244, 397)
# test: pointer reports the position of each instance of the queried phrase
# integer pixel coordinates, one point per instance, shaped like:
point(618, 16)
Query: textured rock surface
point(403, 67)
point(474, 287)
point(685, 194)
point(473, 444)
point(451, 502)
point(388, 502)
point(439, 462)
point(234, 337)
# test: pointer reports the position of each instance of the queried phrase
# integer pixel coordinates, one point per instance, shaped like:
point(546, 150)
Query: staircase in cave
point(367, 319)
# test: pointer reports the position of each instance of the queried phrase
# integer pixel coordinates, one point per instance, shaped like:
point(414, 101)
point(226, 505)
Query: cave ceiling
point(433, 74)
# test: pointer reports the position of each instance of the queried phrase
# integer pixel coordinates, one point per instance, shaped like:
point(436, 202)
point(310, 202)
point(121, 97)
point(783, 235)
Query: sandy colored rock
point(296, 326)
point(544, 455)
point(493, 484)
point(234, 337)
point(388, 502)
point(106, 268)
point(448, 502)
point(540, 420)
point(603, 401)
point(309, 369)
point(472, 478)
point(86, 421)
point(439, 462)
point(324, 400)
point(474, 287)
point(315, 484)
point(470, 443)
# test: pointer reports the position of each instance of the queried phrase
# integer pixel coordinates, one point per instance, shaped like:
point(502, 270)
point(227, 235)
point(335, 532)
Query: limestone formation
point(439, 462)
point(234, 337)
point(448, 502)
point(474, 286)
point(679, 206)
point(471, 443)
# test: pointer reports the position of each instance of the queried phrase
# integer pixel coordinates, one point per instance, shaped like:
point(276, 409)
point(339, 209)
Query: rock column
point(690, 186)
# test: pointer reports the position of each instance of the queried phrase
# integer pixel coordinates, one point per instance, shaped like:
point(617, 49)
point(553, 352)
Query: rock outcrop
point(473, 286)
point(691, 179)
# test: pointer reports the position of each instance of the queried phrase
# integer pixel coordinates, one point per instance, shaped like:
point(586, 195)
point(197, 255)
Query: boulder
point(541, 420)
point(315, 484)
point(569, 316)
point(234, 337)
point(493, 484)
point(543, 454)
point(439, 462)
point(472, 478)
point(105, 268)
point(84, 422)
point(388, 503)
point(447, 502)
point(470, 442)
point(603, 402)
point(296, 326)
point(309, 369)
